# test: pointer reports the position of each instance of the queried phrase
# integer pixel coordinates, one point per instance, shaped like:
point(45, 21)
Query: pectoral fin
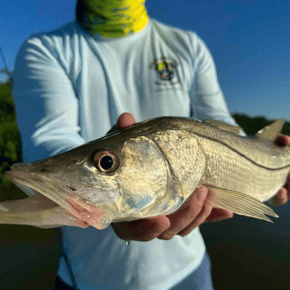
point(38, 211)
point(241, 204)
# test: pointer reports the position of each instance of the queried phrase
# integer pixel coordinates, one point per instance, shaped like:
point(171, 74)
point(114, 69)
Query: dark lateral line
point(273, 169)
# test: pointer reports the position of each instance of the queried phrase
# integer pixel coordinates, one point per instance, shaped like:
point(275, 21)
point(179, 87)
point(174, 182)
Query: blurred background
point(250, 43)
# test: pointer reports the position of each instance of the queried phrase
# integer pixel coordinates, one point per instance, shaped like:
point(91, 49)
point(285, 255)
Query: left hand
point(283, 194)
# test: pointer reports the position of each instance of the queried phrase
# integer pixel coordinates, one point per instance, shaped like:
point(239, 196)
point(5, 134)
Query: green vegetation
point(10, 151)
point(10, 144)
point(253, 125)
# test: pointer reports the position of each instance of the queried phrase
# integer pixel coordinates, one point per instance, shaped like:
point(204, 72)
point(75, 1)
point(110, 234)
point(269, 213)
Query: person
point(70, 87)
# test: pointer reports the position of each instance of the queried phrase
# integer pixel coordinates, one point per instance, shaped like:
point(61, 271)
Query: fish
point(150, 169)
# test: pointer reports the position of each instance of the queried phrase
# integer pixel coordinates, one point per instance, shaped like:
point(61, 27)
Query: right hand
point(195, 211)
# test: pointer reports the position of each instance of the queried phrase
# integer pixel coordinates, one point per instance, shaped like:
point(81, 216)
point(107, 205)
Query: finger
point(219, 214)
point(182, 218)
point(280, 198)
point(202, 216)
point(141, 230)
point(287, 185)
point(283, 140)
point(125, 120)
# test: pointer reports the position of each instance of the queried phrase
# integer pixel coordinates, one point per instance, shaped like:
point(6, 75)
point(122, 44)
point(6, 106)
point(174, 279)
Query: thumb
point(125, 120)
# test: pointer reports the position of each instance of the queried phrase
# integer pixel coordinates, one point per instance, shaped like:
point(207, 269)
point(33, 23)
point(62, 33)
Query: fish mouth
point(21, 173)
point(21, 177)
point(30, 182)
point(39, 201)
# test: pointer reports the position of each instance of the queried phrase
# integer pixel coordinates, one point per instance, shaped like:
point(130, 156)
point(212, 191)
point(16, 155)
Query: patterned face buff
point(112, 18)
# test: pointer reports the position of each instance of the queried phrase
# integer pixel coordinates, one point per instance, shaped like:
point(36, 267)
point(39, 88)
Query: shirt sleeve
point(45, 102)
point(207, 99)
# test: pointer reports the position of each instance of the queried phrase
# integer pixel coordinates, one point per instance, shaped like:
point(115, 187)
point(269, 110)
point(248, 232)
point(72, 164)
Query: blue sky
point(249, 40)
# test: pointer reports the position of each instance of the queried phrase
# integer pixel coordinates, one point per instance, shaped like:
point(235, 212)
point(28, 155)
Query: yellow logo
point(166, 71)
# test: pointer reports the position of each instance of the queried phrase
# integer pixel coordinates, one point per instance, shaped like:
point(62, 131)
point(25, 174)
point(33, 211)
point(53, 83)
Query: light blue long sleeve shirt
point(70, 87)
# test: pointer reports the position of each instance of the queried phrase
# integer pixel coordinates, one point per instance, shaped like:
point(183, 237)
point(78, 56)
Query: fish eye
point(106, 162)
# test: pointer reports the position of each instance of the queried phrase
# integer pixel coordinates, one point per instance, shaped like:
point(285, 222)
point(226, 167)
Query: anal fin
point(241, 203)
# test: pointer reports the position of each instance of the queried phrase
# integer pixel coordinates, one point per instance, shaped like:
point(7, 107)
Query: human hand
point(283, 194)
point(196, 210)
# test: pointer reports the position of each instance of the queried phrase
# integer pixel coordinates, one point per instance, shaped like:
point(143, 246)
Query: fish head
point(116, 178)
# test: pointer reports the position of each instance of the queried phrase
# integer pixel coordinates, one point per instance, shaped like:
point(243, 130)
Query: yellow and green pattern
point(112, 18)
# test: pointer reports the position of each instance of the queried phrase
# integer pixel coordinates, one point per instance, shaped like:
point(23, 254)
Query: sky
point(249, 41)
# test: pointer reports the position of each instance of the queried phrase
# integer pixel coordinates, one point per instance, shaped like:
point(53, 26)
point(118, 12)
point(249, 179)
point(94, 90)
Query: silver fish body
point(151, 169)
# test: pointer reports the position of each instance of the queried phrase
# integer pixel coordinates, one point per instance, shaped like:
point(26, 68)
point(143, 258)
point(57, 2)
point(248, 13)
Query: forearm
point(45, 102)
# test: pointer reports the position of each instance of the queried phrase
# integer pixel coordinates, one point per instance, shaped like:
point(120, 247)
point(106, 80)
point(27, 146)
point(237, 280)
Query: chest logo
point(166, 71)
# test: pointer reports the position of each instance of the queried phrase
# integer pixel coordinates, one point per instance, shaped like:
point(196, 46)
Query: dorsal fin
point(271, 131)
point(223, 126)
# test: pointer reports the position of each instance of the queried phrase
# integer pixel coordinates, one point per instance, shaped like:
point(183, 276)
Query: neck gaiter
point(112, 18)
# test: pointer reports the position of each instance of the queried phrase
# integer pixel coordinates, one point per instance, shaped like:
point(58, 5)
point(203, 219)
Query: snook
point(151, 169)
